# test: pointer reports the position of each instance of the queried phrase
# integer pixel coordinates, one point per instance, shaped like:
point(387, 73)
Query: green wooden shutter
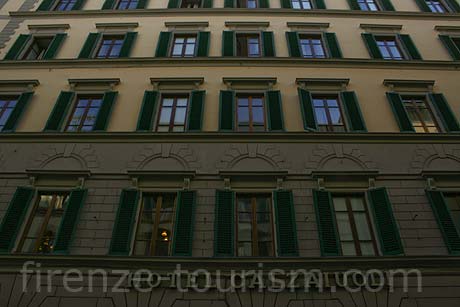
point(17, 47)
point(354, 5)
point(226, 110)
point(387, 5)
point(108, 5)
point(353, 111)
point(141, 4)
point(385, 223)
point(397, 105)
point(286, 4)
point(319, 4)
point(275, 111)
point(163, 44)
point(410, 46)
point(54, 46)
point(326, 222)
point(306, 107)
point(124, 223)
point(286, 230)
point(103, 115)
point(228, 43)
point(263, 4)
point(89, 46)
point(371, 45)
point(46, 5)
point(268, 44)
point(229, 3)
point(173, 4)
point(14, 216)
point(127, 44)
point(333, 45)
point(203, 44)
point(454, 5)
point(451, 46)
point(293, 44)
point(195, 116)
point(207, 4)
point(445, 112)
point(147, 114)
point(183, 228)
point(13, 119)
point(423, 6)
point(78, 5)
point(59, 112)
point(69, 221)
point(445, 221)
point(224, 225)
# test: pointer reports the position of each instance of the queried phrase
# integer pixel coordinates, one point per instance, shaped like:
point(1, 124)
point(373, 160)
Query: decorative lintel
point(439, 175)
point(247, 24)
point(20, 84)
point(233, 82)
point(270, 174)
point(354, 174)
point(106, 82)
point(333, 83)
point(49, 27)
point(160, 174)
point(380, 27)
point(186, 82)
point(186, 24)
point(308, 25)
point(454, 29)
point(117, 25)
point(412, 84)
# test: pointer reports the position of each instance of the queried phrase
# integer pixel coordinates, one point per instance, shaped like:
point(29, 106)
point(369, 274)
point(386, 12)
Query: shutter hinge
point(186, 184)
point(431, 183)
point(227, 184)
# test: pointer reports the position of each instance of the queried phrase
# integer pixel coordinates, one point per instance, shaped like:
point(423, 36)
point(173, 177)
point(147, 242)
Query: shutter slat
point(286, 4)
point(275, 111)
point(108, 5)
point(207, 4)
point(69, 221)
point(183, 230)
point(285, 224)
point(228, 43)
point(387, 5)
point(195, 116)
point(385, 223)
point(59, 112)
point(229, 3)
point(17, 47)
point(163, 44)
point(226, 110)
point(354, 5)
point(103, 115)
point(124, 223)
point(147, 114)
point(78, 5)
point(46, 5)
point(306, 107)
point(263, 4)
point(423, 6)
point(320, 4)
point(224, 225)
point(454, 51)
point(454, 5)
point(410, 46)
point(89, 46)
point(353, 111)
point(53, 48)
point(13, 119)
point(404, 122)
point(141, 4)
point(268, 44)
point(293, 44)
point(325, 220)
point(372, 46)
point(445, 112)
point(333, 45)
point(173, 4)
point(203, 44)
point(127, 44)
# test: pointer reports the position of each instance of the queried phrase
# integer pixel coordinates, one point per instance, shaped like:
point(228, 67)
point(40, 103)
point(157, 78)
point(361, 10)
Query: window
point(7, 105)
point(354, 226)
point(250, 4)
point(65, 5)
point(328, 113)
point(254, 225)
point(173, 113)
point(155, 226)
point(37, 48)
point(368, 5)
point(302, 4)
point(84, 114)
point(453, 203)
point(40, 231)
point(248, 45)
point(127, 4)
point(184, 46)
point(110, 47)
point(456, 41)
point(250, 115)
point(312, 46)
point(420, 114)
point(191, 4)
point(389, 48)
point(437, 6)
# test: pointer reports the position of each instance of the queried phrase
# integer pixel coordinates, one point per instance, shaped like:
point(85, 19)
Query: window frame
point(341, 107)
point(444, 4)
point(57, 3)
point(185, 7)
point(74, 104)
point(264, 106)
point(30, 43)
point(100, 42)
point(399, 45)
point(429, 107)
point(10, 99)
point(185, 35)
point(247, 34)
point(246, 4)
point(175, 96)
point(376, 2)
point(312, 35)
point(118, 3)
point(312, 5)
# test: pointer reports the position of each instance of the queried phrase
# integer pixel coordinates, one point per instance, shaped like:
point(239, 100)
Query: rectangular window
point(37, 48)
point(390, 48)
point(312, 46)
point(250, 115)
point(7, 105)
point(173, 113)
point(127, 4)
point(328, 113)
point(437, 6)
point(368, 5)
point(248, 45)
point(64, 5)
point(42, 226)
point(183, 46)
point(155, 225)
point(301, 4)
point(354, 226)
point(84, 114)
point(190, 4)
point(249, 4)
point(420, 114)
point(453, 203)
point(254, 225)
point(110, 47)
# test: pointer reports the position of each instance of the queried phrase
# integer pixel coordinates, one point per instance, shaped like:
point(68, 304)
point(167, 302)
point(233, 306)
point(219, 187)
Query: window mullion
point(354, 231)
point(44, 223)
point(173, 114)
point(255, 243)
point(153, 241)
point(371, 228)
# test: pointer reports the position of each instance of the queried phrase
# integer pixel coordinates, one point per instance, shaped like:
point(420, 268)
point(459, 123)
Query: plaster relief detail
point(435, 157)
point(68, 157)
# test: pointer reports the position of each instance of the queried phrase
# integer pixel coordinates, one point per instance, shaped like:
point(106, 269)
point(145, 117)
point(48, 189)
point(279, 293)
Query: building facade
point(316, 136)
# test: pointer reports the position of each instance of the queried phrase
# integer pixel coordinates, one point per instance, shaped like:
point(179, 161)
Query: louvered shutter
point(397, 105)
point(226, 110)
point(293, 44)
point(275, 111)
point(224, 225)
point(13, 119)
point(17, 47)
point(333, 45)
point(228, 43)
point(195, 116)
point(183, 228)
point(163, 44)
point(410, 46)
point(148, 109)
point(454, 51)
point(127, 44)
point(353, 111)
point(59, 112)
point(203, 44)
point(103, 115)
point(286, 229)
point(326, 222)
point(108, 4)
point(89, 46)
point(268, 44)
point(54, 46)
point(372, 46)
point(445, 112)
point(306, 108)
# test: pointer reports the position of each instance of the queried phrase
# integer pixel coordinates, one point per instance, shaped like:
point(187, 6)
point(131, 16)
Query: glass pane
point(179, 117)
point(357, 203)
point(258, 115)
point(367, 249)
point(91, 116)
point(190, 49)
point(321, 117)
point(243, 101)
point(244, 232)
point(362, 227)
point(343, 224)
point(177, 50)
point(339, 204)
point(168, 102)
point(244, 249)
point(265, 249)
point(348, 248)
point(243, 115)
point(142, 248)
point(319, 51)
point(244, 204)
point(5, 116)
point(336, 117)
point(264, 231)
point(165, 116)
